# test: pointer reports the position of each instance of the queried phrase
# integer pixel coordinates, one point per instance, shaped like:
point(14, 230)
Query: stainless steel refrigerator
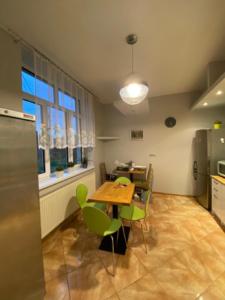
point(21, 263)
point(209, 147)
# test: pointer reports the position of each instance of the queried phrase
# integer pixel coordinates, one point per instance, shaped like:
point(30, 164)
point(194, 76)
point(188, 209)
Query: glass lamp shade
point(134, 93)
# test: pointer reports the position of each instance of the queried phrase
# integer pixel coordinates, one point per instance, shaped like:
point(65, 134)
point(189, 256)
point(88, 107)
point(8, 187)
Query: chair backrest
point(146, 197)
point(123, 180)
point(81, 194)
point(102, 172)
point(149, 173)
point(97, 221)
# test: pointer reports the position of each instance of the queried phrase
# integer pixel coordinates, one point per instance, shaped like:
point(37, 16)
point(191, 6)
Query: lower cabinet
point(218, 199)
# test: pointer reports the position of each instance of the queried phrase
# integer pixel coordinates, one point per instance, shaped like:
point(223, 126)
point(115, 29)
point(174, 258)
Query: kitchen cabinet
point(218, 197)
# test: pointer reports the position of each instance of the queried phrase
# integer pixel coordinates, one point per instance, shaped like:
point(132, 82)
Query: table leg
point(115, 211)
point(120, 246)
point(131, 177)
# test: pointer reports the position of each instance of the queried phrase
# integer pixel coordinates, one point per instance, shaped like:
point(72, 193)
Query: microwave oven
point(221, 168)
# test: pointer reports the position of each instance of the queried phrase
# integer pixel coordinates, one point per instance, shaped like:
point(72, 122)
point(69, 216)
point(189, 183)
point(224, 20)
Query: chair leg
point(146, 226)
point(113, 255)
point(144, 238)
point(117, 237)
point(124, 235)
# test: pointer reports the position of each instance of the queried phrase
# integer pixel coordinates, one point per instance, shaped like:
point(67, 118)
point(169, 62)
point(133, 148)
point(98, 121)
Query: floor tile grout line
point(64, 259)
point(211, 284)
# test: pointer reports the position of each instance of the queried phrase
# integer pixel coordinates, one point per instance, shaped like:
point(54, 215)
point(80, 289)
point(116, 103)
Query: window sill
point(48, 182)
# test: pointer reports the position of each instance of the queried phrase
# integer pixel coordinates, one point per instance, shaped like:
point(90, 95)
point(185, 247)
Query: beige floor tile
point(155, 257)
point(54, 264)
point(57, 289)
point(216, 291)
point(217, 240)
point(145, 288)
point(77, 252)
point(90, 282)
point(208, 222)
point(206, 266)
point(114, 297)
point(52, 242)
point(128, 270)
point(178, 281)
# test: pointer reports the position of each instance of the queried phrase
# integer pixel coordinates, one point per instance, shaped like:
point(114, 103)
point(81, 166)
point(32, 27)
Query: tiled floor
point(185, 259)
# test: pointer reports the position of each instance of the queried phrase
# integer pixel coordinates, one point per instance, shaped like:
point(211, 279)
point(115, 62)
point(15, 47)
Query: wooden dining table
point(114, 194)
point(131, 172)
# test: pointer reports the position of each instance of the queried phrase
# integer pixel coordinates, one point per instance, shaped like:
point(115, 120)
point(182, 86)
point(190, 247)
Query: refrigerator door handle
point(195, 170)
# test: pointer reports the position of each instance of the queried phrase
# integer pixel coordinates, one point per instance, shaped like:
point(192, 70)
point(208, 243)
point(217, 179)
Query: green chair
point(98, 222)
point(145, 184)
point(81, 197)
point(133, 213)
point(123, 180)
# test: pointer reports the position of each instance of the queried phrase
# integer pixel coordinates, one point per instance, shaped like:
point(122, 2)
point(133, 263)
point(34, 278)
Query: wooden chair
point(104, 175)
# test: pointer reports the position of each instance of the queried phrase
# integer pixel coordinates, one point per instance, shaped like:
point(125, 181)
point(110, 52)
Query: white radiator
point(56, 206)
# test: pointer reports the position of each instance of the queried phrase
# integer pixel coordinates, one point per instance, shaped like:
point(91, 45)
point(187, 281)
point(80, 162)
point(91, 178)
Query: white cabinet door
point(222, 201)
point(216, 205)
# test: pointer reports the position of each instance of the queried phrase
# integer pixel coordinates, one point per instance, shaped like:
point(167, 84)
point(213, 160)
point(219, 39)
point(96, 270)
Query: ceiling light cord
point(132, 59)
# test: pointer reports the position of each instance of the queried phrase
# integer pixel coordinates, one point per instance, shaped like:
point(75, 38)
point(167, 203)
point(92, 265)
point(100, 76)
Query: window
point(67, 101)
point(37, 87)
point(77, 152)
point(35, 109)
point(58, 111)
point(58, 154)
point(28, 83)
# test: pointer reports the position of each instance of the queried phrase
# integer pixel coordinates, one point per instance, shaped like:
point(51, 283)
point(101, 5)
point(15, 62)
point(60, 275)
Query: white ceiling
point(177, 39)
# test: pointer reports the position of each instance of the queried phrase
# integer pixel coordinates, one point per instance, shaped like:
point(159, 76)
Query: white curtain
point(87, 119)
point(73, 128)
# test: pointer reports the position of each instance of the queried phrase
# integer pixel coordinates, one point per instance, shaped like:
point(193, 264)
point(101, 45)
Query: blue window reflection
point(44, 91)
point(37, 87)
point(28, 83)
point(67, 101)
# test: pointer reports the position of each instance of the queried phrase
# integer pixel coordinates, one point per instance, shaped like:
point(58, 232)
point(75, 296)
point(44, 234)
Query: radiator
point(55, 207)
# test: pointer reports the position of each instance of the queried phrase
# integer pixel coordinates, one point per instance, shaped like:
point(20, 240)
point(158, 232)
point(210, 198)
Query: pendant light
point(134, 90)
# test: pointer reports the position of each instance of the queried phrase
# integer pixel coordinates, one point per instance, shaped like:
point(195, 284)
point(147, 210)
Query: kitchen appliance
point(221, 168)
point(209, 148)
point(21, 270)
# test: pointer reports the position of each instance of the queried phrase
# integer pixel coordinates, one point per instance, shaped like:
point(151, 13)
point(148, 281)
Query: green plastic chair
point(145, 184)
point(123, 180)
point(133, 213)
point(98, 222)
point(81, 197)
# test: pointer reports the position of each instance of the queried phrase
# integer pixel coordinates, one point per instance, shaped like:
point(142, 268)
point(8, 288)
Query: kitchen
point(184, 69)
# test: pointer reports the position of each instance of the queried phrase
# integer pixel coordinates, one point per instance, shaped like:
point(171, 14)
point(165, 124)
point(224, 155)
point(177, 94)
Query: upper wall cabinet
point(213, 96)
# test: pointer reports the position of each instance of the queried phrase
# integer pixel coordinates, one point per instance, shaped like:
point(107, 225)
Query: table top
point(219, 178)
point(114, 193)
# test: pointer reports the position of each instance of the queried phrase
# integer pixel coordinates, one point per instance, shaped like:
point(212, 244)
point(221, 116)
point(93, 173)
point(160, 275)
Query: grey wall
point(10, 67)
point(171, 147)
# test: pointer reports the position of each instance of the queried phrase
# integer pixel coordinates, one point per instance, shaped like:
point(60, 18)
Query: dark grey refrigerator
point(21, 271)
point(209, 148)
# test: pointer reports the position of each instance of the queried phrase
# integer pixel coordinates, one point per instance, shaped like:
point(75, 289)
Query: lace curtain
point(69, 120)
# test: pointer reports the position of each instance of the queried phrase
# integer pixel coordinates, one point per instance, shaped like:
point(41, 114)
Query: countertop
point(219, 178)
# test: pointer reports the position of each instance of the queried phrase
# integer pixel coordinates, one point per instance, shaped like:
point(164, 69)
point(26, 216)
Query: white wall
point(172, 147)
point(57, 203)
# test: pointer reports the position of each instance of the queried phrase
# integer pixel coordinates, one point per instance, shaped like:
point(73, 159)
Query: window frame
point(44, 108)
